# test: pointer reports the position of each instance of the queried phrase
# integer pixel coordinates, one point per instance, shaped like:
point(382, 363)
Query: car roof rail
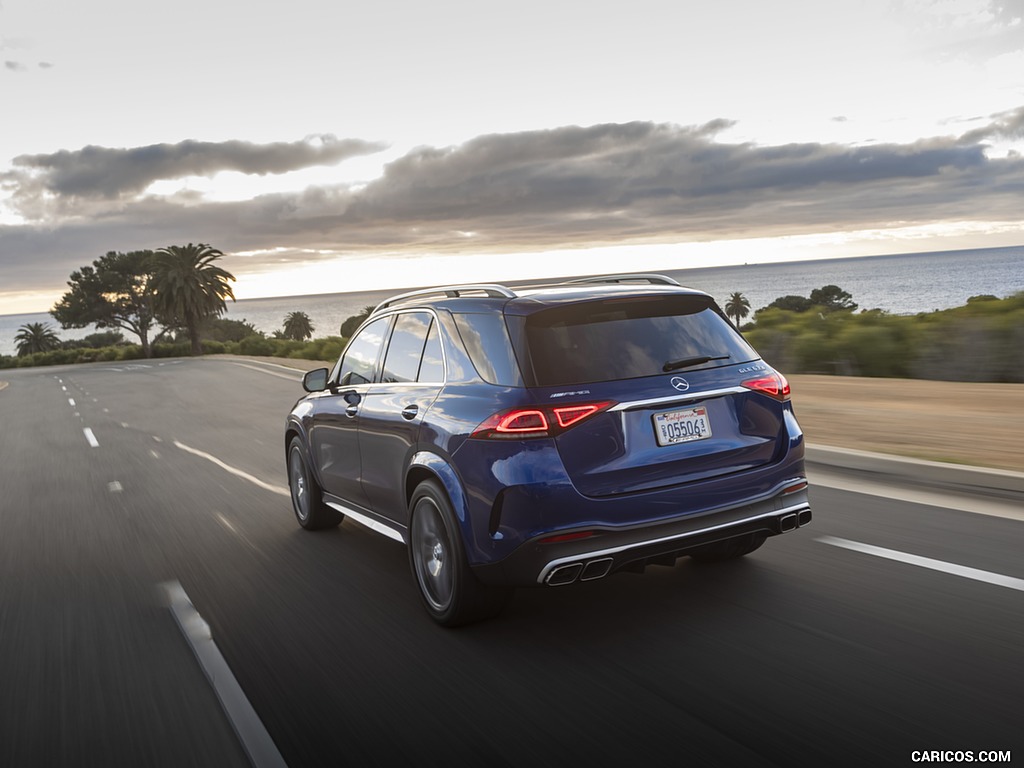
point(651, 278)
point(490, 290)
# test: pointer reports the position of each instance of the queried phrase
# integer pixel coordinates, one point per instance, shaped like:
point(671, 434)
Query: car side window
point(432, 367)
point(405, 350)
point(360, 359)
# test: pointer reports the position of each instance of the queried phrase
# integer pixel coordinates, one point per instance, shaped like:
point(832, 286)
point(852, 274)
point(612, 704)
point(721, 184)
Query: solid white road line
point(237, 472)
point(91, 437)
point(256, 742)
point(926, 562)
point(933, 498)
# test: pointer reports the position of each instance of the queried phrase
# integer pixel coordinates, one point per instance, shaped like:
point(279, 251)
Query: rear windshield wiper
point(686, 362)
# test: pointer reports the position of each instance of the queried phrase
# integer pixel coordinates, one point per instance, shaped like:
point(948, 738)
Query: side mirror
point(315, 380)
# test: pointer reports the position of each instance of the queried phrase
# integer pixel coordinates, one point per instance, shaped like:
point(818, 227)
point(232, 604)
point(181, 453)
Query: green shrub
point(256, 346)
point(329, 348)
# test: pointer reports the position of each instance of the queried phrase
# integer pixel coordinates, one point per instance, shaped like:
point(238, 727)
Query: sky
point(329, 146)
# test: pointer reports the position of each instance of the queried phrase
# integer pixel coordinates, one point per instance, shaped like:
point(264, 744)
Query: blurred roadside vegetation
point(981, 341)
point(218, 336)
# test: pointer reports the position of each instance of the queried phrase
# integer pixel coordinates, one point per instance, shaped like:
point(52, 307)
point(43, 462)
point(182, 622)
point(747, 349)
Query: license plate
point(684, 426)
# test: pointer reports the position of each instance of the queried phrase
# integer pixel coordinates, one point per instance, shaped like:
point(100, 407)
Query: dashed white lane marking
point(71, 402)
point(926, 562)
point(154, 454)
point(294, 377)
point(237, 472)
point(91, 437)
point(256, 742)
point(231, 527)
point(114, 487)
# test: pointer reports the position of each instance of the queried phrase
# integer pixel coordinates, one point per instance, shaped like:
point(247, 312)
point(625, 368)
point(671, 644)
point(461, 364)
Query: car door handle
point(410, 411)
point(351, 411)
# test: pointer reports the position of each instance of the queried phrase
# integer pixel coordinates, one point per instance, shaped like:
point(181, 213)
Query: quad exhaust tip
point(596, 569)
point(564, 574)
point(794, 520)
point(591, 571)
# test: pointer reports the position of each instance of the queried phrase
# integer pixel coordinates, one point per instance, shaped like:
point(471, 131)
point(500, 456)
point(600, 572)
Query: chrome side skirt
point(371, 523)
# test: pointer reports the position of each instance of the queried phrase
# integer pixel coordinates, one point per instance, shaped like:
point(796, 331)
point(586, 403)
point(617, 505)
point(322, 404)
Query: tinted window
point(405, 350)
point(628, 338)
point(360, 359)
point(488, 345)
point(432, 368)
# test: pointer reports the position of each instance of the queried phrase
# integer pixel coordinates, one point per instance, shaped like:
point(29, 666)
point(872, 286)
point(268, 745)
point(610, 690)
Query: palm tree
point(35, 337)
point(189, 288)
point(738, 307)
point(297, 326)
point(351, 324)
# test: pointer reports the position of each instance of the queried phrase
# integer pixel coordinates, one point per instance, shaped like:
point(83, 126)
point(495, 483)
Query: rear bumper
point(608, 549)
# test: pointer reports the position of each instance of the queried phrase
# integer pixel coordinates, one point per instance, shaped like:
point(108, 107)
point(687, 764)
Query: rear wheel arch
point(427, 465)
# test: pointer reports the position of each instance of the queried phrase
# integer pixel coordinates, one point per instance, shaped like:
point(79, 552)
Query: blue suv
point(548, 435)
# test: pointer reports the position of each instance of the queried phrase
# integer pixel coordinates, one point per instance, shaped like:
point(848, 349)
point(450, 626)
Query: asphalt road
point(117, 479)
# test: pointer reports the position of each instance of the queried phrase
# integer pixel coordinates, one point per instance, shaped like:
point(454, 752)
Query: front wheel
point(451, 593)
point(307, 498)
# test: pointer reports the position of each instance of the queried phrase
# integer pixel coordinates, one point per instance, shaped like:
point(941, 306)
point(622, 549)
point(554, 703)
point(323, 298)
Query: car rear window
point(627, 338)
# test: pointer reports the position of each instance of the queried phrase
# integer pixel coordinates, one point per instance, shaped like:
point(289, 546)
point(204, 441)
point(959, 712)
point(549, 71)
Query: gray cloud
point(1006, 125)
point(14, 66)
point(102, 172)
point(565, 187)
point(1008, 11)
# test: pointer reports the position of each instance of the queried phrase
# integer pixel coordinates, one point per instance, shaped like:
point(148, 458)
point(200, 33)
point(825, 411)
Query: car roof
point(484, 297)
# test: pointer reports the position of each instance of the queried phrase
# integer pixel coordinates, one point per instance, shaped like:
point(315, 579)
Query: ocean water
point(900, 284)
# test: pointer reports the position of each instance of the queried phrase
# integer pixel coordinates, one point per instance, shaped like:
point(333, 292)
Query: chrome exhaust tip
point(789, 522)
point(596, 569)
point(564, 574)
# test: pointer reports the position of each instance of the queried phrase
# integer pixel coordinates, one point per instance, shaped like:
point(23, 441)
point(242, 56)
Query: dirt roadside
point(961, 423)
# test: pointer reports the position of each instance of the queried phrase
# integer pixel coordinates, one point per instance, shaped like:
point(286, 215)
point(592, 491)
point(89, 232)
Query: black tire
point(729, 549)
point(307, 497)
point(451, 593)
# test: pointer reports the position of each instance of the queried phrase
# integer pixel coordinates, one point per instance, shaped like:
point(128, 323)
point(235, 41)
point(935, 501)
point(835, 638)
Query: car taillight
point(773, 385)
point(537, 421)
